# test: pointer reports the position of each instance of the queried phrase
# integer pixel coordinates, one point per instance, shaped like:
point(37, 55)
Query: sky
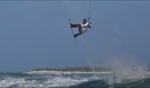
point(36, 34)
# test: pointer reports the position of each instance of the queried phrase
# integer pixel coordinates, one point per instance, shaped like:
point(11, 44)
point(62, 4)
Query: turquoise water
point(26, 80)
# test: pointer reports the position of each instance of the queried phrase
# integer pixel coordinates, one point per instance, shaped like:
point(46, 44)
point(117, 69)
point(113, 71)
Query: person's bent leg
point(75, 25)
point(77, 35)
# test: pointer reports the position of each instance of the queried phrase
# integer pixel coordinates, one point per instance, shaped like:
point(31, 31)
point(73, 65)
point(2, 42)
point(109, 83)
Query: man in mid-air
point(81, 27)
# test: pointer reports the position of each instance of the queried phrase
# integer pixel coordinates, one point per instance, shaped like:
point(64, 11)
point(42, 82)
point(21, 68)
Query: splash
point(127, 71)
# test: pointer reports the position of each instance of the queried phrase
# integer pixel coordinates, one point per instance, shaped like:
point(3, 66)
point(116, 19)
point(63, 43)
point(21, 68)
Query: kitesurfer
point(81, 27)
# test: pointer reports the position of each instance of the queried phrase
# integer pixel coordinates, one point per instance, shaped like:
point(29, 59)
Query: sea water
point(72, 80)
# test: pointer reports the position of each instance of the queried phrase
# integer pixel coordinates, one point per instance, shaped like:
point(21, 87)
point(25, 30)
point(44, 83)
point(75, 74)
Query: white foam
point(57, 81)
point(19, 82)
point(64, 81)
point(8, 81)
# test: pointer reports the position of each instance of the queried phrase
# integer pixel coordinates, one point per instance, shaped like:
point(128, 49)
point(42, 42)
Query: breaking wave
point(24, 80)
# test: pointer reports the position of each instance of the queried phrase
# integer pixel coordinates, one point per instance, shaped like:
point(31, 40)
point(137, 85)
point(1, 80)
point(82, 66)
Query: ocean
point(69, 80)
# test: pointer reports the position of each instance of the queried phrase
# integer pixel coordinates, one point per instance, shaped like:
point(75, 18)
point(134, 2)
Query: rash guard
point(83, 28)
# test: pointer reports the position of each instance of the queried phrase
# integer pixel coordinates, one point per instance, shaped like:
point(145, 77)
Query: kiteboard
point(72, 31)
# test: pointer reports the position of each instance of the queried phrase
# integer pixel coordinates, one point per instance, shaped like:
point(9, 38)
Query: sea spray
point(125, 71)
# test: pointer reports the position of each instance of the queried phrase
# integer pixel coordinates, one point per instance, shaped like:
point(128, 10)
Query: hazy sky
point(36, 34)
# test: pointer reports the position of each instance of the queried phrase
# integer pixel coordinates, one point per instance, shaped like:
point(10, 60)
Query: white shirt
point(84, 27)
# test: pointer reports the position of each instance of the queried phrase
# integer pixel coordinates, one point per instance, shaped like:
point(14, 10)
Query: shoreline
point(74, 72)
point(67, 72)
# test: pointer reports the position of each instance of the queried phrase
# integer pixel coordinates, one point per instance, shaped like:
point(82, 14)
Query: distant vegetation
point(81, 69)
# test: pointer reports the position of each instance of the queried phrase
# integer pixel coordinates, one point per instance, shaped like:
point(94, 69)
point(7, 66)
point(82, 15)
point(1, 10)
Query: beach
point(66, 72)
